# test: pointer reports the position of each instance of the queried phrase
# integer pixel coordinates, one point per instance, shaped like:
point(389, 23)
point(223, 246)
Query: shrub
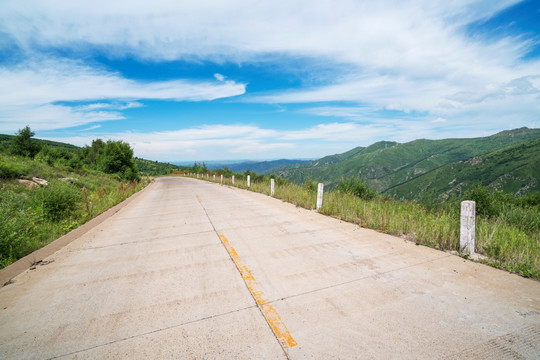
point(357, 187)
point(8, 171)
point(311, 185)
point(489, 203)
point(58, 200)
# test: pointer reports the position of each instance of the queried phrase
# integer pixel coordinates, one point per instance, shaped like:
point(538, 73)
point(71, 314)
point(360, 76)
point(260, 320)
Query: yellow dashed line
point(271, 315)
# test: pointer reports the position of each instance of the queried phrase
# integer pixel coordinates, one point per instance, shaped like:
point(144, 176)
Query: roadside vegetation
point(507, 228)
point(48, 189)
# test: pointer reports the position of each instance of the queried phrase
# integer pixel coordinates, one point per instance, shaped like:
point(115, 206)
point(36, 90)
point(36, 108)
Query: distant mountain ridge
point(385, 164)
point(260, 167)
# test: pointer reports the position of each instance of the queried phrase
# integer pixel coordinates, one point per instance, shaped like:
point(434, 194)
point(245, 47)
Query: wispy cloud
point(361, 59)
point(32, 91)
point(93, 127)
point(110, 106)
point(247, 140)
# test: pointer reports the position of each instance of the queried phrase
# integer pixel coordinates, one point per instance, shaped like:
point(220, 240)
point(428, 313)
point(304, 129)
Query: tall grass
point(32, 218)
point(509, 241)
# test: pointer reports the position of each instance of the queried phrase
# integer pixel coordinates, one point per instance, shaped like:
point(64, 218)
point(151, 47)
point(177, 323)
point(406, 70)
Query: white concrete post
point(222, 178)
point(207, 175)
point(467, 227)
point(320, 191)
point(197, 175)
point(233, 179)
point(248, 181)
point(271, 187)
point(214, 177)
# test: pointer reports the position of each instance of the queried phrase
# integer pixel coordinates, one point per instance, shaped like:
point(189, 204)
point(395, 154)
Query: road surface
point(196, 270)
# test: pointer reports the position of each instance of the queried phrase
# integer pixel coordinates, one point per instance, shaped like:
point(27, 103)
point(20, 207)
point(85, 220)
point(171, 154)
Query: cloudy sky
point(232, 79)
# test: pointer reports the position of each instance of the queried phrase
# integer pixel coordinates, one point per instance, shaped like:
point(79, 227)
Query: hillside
point(387, 164)
point(514, 170)
point(5, 142)
point(261, 167)
point(145, 167)
point(154, 168)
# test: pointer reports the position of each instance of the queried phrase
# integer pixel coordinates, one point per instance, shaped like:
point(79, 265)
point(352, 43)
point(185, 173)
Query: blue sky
point(224, 80)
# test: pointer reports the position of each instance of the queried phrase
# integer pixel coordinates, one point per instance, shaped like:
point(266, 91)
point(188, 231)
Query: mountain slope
point(385, 164)
point(514, 170)
point(260, 167)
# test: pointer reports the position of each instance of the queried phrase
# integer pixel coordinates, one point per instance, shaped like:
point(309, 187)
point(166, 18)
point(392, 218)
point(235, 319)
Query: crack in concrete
point(152, 332)
point(356, 280)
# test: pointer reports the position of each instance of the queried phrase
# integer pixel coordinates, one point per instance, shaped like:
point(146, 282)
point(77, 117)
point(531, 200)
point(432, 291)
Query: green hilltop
point(385, 165)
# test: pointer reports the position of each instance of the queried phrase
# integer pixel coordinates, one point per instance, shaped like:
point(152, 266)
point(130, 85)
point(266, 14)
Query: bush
point(8, 171)
point(311, 185)
point(58, 200)
point(357, 187)
point(489, 203)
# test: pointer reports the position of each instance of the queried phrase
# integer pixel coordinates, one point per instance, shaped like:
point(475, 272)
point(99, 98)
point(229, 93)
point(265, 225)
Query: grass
point(32, 218)
point(509, 241)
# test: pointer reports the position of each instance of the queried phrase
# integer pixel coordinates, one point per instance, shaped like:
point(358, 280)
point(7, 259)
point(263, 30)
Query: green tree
point(23, 145)
point(117, 158)
point(91, 154)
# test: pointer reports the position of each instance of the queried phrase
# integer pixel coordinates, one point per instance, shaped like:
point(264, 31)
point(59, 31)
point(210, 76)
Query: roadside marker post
point(222, 179)
point(248, 181)
point(214, 177)
point(271, 187)
point(233, 179)
point(320, 191)
point(467, 227)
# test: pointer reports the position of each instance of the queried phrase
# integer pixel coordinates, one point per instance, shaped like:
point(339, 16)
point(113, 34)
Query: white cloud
point(93, 127)
point(239, 29)
point(438, 121)
point(47, 116)
point(244, 141)
point(31, 92)
point(110, 106)
point(413, 57)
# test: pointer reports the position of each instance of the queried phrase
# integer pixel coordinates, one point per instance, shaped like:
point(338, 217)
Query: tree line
point(111, 156)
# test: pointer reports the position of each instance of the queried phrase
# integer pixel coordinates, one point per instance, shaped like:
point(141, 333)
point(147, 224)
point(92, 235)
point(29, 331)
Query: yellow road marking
point(271, 315)
point(198, 198)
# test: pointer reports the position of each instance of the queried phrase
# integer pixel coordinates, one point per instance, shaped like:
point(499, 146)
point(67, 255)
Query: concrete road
point(195, 270)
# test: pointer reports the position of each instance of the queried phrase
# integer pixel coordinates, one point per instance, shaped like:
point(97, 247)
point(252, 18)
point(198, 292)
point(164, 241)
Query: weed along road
point(196, 270)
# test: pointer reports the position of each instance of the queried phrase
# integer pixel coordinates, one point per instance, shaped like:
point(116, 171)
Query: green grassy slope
point(514, 170)
point(5, 142)
point(385, 164)
point(154, 168)
point(145, 167)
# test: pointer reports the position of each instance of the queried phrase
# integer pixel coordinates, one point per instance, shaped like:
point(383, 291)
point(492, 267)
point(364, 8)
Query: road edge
point(9, 272)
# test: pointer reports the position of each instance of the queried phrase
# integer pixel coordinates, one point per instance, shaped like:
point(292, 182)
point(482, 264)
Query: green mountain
point(262, 167)
point(385, 165)
point(514, 170)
